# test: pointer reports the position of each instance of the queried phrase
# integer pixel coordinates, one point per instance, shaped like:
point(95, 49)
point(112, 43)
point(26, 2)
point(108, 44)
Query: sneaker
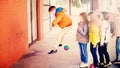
point(116, 62)
point(108, 64)
point(101, 64)
point(52, 52)
point(60, 45)
point(83, 65)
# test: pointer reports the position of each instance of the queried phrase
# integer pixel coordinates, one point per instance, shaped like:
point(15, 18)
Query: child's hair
point(51, 8)
point(84, 16)
point(105, 15)
point(118, 9)
point(90, 13)
point(95, 19)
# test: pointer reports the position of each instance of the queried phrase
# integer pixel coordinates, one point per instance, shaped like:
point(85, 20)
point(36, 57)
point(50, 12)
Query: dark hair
point(84, 16)
point(118, 9)
point(51, 8)
point(105, 15)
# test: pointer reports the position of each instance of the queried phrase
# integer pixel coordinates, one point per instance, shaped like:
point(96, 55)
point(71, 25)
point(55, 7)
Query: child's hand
point(112, 36)
point(53, 25)
point(101, 44)
point(94, 46)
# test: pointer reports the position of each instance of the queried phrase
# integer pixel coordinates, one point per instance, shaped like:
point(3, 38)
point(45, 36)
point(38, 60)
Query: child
point(116, 33)
point(82, 38)
point(105, 34)
point(94, 36)
point(63, 21)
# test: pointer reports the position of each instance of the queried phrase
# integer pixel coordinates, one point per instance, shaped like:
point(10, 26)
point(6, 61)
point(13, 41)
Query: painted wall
point(40, 20)
point(13, 31)
point(95, 4)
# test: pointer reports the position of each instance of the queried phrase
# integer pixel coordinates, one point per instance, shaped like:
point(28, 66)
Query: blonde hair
point(94, 19)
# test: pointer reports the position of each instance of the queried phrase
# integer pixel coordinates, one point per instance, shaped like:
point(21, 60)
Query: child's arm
point(57, 19)
point(83, 31)
point(102, 33)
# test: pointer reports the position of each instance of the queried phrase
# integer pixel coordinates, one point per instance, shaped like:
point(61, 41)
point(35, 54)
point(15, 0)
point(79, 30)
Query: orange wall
point(40, 19)
point(13, 31)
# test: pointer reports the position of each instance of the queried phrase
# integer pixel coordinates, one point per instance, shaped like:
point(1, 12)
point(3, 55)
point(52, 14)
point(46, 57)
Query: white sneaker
point(108, 64)
point(83, 64)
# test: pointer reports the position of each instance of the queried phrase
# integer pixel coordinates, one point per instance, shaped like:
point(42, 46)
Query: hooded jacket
point(61, 19)
point(82, 33)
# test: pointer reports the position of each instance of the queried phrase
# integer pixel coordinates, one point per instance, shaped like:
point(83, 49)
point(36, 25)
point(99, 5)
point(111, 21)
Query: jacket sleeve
point(83, 31)
point(102, 33)
point(57, 19)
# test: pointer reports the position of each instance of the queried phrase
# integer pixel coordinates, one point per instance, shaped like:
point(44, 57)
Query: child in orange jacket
point(63, 21)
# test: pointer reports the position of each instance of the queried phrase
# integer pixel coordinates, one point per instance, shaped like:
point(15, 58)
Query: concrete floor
point(38, 57)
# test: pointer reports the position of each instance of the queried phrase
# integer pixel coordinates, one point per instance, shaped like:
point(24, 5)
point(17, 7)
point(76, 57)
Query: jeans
point(117, 48)
point(83, 52)
point(102, 50)
point(94, 54)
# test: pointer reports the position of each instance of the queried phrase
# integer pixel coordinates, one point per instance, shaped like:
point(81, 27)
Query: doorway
point(32, 21)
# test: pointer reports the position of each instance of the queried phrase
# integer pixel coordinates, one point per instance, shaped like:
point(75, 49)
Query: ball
point(66, 47)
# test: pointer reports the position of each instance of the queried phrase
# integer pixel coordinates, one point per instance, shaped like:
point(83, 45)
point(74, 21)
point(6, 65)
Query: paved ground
point(38, 57)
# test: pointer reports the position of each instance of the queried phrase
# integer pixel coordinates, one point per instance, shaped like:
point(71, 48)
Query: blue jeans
point(83, 52)
point(94, 54)
point(117, 48)
point(102, 50)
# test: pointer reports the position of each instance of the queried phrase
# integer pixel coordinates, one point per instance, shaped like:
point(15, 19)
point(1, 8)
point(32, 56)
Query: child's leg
point(106, 53)
point(100, 51)
point(94, 55)
point(61, 36)
point(83, 52)
point(117, 48)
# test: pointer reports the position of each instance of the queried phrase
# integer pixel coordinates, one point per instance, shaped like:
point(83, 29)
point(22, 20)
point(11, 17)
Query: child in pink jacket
point(82, 38)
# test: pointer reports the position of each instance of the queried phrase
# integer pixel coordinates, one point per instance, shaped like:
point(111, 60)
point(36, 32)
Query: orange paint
point(13, 31)
point(40, 19)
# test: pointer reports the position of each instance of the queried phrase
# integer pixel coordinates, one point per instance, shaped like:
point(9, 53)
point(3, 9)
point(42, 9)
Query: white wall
point(34, 20)
point(108, 5)
point(29, 28)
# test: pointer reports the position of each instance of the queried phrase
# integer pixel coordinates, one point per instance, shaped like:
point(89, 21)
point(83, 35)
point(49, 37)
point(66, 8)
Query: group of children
point(94, 28)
